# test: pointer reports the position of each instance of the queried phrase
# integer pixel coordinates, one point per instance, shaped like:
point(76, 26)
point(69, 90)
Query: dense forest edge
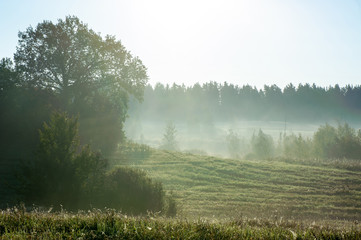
point(69, 97)
point(216, 102)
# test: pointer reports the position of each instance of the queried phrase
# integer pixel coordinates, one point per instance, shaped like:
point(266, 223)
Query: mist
point(205, 115)
point(84, 134)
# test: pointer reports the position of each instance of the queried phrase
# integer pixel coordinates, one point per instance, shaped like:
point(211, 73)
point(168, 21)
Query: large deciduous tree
point(91, 75)
point(68, 57)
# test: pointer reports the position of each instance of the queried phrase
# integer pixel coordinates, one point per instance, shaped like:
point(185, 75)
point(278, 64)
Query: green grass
point(219, 199)
point(205, 186)
point(17, 224)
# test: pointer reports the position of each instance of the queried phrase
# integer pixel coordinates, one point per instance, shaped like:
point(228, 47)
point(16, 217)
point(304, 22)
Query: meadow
point(222, 188)
point(90, 149)
point(18, 224)
point(217, 198)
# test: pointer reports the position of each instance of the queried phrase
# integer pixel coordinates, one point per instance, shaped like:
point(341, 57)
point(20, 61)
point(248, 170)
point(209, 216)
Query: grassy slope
point(16, 224)
point(207, 186)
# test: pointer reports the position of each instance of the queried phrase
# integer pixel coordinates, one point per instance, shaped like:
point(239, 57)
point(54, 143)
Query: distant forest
point(213, 101)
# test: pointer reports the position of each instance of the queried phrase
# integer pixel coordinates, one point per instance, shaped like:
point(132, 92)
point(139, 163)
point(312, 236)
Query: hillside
point(206, 186)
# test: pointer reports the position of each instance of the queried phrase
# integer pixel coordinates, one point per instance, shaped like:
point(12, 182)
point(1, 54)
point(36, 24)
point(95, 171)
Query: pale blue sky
point(252, 42)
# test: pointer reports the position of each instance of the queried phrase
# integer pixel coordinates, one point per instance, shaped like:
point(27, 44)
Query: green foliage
point(131, 191)
point(90, 170)
point(63, 174)
point(109, 224)
point(132, 151)
point(101, 126)
point(22, 113)
point(75, 61)
point(8, 76)
point(224, 102)
point(340, 142)
point(296, 146)
point(89, 76)
point(233, 144)
point(328, 142)
point(206, 186)
point(348, 144)
point(324, 140)
point(171, 206)
point(169, 137)
point(262, 145)
point(60, 173)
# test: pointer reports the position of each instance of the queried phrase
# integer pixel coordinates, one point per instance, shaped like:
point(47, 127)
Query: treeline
point(223, 102)
point(328, 142)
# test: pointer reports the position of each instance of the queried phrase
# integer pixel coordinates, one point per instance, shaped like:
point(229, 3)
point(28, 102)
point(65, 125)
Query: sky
point(253, 42)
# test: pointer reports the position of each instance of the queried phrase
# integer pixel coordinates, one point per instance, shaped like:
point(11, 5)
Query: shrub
point(262, 145)
point(324, 140)
point(63, 174)
point(131, 191)
point(60, 171)
point(171, 206)
point(340, 142)
point(130, 150)
point(296, 146)
point(348, 143)
point(233, 144)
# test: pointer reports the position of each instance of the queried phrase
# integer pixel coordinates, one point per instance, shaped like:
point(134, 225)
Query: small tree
point(61, 170)
point(324, 140)
point(340, 142)
point(233, 144)
point(296, 146)
point(262, 145)
point(348, 143)
point(169, 137)
point(64, 174)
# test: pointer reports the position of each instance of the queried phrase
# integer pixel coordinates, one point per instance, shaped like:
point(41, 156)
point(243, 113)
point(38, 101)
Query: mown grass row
point(299, 189)
point(109, 224)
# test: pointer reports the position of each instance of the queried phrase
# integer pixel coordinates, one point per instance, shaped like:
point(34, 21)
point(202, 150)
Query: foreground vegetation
point(205, 186)
point(18, 224)
point(62, 173)
point(57, 168)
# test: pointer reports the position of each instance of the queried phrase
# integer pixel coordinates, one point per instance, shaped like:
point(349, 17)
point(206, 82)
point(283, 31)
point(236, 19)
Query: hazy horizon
point(241, 42)
point(246, 123)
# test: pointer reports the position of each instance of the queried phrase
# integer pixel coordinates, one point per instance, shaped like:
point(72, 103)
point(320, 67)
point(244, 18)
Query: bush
point(296, 146)
point(130, 150)
point(324, 140)
point(233, 144)
point(262, 145)
point(340, 142)
point(171, 206)
point(63, 174)
point(60, 172)
point(131, 191)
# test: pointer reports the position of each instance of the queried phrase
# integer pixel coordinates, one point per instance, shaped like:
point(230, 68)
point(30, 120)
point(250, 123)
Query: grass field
point(218, 199)
point(206, 186)
point(17, 224)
